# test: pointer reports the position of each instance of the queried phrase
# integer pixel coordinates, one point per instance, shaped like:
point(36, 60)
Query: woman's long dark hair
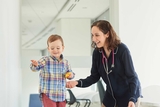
point(104, 26)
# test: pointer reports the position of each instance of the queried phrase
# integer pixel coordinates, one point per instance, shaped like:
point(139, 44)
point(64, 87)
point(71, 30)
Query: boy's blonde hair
point(53, 38)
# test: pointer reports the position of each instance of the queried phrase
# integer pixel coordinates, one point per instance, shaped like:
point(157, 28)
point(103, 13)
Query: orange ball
point(67, 74)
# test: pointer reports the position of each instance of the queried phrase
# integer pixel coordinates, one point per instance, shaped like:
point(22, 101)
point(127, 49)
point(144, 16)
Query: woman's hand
point(131, 104)
point(71, 84)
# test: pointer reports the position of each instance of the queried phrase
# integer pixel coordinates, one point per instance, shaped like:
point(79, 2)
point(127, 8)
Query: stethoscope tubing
point(105, 65)
point(105, 61)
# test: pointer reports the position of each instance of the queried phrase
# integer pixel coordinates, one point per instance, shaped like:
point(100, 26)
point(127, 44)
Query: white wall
point(76, 35)
point(29, 79)
point(10, 66)
point(139, 28)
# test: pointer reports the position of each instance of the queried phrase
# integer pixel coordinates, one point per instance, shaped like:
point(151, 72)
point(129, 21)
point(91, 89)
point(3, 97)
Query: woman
point(111, 61)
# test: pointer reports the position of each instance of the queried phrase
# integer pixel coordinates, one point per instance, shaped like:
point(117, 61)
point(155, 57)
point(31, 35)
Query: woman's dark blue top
point(122, 81)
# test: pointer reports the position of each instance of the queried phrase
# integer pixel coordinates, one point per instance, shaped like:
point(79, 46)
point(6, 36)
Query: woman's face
point(98, 37)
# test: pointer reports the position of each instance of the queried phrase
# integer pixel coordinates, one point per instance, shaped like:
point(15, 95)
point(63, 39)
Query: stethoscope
point(105, 62)
point(105, 65)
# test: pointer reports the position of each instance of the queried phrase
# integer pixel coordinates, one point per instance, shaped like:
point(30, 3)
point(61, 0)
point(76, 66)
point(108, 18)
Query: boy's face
point(55, 48)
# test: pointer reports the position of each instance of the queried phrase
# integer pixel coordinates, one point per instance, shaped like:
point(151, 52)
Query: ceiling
point(38, 17)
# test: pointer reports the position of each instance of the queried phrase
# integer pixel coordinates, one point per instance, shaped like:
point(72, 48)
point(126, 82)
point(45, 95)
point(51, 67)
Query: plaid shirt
point(52, 77)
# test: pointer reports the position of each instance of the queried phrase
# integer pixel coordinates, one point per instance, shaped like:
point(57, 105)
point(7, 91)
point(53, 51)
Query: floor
point(95, 104)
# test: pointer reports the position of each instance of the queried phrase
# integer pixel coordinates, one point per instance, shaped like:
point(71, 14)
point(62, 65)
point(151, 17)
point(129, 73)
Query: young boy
point(54, 70)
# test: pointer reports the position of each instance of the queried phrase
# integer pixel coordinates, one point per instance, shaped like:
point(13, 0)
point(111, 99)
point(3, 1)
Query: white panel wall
point(30, 80)
point(104, 16)
point(10, 69)
point(139, 29)
point(76, 35)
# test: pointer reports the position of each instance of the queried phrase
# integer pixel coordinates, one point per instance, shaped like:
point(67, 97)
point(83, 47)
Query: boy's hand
point(34, 62)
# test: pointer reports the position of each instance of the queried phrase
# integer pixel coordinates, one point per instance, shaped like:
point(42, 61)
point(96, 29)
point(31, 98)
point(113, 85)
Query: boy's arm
point(37, 65)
